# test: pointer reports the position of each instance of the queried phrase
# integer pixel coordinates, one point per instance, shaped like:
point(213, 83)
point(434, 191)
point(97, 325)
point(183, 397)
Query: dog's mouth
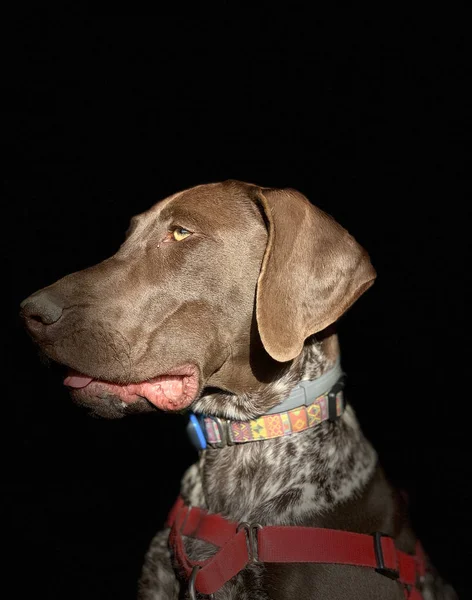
point(172, 391)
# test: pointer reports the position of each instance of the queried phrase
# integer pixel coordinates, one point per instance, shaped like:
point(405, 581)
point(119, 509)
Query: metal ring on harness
point(191, 584)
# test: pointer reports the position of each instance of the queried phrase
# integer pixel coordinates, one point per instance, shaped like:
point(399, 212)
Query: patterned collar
point(304, 408)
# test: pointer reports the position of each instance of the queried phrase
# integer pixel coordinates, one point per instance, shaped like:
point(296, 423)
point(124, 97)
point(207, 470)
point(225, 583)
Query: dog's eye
point(180, 233)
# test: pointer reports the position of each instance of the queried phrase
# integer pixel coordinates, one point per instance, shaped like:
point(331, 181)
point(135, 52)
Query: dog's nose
point(40, 309)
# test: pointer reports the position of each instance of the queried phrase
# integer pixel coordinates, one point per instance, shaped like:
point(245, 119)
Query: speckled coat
point(327, 476)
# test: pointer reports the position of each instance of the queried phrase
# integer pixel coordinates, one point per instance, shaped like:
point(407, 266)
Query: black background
point(105, 116)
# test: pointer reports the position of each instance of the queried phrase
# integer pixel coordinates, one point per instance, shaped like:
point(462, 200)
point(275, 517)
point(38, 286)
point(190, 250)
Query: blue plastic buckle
point(195, 432)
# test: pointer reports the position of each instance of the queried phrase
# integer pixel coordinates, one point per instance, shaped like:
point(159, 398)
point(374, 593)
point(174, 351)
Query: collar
point(308, 404)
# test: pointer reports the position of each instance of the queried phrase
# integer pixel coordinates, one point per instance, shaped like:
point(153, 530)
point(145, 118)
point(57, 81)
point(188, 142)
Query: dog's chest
point(284, 482)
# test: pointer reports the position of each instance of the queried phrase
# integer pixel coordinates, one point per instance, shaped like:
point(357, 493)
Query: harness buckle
point(251, 540)
point(379, 557)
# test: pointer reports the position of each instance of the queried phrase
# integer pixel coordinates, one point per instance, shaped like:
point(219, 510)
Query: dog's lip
point(174, 390)
point(76, 380)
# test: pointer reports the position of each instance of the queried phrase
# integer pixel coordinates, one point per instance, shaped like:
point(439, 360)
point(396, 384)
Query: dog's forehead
point(211, 202)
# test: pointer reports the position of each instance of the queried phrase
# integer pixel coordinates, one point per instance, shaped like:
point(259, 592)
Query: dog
point(223, 301)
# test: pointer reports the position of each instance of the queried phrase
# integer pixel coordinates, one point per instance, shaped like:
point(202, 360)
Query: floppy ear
point(312, 272)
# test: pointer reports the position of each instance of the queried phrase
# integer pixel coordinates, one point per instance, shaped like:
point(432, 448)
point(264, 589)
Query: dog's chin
point(109, 406)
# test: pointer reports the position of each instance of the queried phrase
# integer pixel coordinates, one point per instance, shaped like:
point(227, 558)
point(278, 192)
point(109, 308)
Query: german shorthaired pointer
point(222, 299)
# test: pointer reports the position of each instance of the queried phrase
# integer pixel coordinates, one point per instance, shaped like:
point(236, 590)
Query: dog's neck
point(254, 397)
point(287, 479)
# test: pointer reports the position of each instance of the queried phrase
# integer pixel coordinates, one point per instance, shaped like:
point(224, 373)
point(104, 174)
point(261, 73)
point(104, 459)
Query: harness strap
point(245, 544)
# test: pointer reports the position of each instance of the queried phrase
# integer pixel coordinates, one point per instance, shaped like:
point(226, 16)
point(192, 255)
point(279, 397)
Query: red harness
point(243, 544)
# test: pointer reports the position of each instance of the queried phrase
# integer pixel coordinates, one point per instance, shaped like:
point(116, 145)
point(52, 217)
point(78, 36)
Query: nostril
point(37, 318)
point(40, 309)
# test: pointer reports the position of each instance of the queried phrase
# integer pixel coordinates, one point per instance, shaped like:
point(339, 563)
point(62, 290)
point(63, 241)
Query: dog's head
point(210, 284)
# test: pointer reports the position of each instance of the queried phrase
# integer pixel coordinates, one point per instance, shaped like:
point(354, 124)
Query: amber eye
point(180, 233)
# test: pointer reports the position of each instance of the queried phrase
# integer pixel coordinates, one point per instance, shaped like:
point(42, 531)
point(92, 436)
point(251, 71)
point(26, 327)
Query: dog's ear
point(312, 272)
